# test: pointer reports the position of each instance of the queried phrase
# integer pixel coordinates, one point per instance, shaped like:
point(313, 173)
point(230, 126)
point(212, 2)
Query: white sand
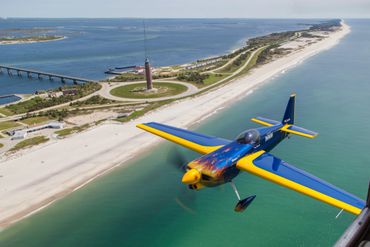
point(42, 175)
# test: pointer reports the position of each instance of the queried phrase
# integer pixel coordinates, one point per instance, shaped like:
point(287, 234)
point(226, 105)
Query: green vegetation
point(164, 76)
point(94, 100)
point(146, 109)
point(128, 77)
point(326, 26)
point(5, 111)
point(195, 77)
point(250, 65)
point(38, 103)
point(1, 145)
point(34, 120)
point(138, 91)
point(266, 54)
point(213, 78)
point(29, 143)
point(274, 38)
point(69, 131)
point(8, 125)
point(253, 61)
point(235, 53)
point(235, 65)
point(55, 114)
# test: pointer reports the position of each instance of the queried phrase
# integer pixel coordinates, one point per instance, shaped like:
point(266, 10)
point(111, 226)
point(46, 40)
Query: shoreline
point(80, 159)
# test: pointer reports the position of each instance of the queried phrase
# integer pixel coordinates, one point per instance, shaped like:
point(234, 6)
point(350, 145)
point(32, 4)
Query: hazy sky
point(188, 8)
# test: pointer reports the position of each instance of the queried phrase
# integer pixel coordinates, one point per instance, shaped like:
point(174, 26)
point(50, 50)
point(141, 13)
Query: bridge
point(39, 74)
point(7, 96)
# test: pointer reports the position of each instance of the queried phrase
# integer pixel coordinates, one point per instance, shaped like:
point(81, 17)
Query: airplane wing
point(200, 143)
point(269, 167)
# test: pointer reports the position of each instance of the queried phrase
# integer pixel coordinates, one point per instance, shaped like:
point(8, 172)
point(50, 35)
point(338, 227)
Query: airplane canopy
point(251, 137)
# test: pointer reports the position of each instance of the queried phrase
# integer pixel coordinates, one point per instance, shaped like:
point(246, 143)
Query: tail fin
point(288, 121)
point(289, 111)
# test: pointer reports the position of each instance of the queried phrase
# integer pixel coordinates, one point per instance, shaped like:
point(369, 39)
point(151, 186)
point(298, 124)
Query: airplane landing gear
point(242, 204)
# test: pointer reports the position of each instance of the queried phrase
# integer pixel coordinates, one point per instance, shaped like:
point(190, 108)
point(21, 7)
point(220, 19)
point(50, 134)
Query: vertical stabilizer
point(289, 111)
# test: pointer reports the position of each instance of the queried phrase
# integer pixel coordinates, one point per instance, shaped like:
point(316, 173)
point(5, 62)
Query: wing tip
point(141, 125)
point(260, 122)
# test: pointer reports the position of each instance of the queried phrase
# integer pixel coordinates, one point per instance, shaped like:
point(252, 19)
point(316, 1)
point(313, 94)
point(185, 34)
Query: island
point(29, 39)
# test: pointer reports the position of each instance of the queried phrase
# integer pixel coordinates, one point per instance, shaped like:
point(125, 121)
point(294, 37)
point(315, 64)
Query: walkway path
point(106, 88)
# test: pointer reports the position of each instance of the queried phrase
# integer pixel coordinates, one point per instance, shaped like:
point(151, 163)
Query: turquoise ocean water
point(145, 204)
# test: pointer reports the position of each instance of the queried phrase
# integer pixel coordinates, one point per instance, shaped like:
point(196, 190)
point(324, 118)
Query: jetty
point(40, 74)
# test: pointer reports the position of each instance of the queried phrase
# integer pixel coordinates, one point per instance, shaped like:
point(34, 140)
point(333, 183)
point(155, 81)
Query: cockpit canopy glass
point(251, 137)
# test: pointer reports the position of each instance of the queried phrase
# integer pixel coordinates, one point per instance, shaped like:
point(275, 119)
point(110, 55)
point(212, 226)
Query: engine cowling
point(192, 176)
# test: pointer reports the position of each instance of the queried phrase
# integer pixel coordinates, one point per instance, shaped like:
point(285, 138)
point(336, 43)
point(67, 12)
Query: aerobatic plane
point(223, 160)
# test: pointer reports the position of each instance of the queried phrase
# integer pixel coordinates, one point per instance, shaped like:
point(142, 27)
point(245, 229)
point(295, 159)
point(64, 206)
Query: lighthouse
point(148, 75)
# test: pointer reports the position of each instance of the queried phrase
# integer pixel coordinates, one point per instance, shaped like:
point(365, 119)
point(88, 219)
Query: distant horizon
point(148, 18)
point(261, 9)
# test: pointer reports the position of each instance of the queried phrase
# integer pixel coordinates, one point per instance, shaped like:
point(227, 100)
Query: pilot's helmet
point(251, 137)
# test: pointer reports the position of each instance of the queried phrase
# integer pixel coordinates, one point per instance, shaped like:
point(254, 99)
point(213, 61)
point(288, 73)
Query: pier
point(40, 75)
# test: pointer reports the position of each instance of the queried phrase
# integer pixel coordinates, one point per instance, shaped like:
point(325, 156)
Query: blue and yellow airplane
point(223, 159)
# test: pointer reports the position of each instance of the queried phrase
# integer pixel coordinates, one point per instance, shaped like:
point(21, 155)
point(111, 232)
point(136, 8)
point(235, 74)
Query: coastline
point(27, 191)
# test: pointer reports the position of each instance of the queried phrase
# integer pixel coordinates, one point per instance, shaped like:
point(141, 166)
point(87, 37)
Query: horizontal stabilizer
point(293, 129)
point(265, 121)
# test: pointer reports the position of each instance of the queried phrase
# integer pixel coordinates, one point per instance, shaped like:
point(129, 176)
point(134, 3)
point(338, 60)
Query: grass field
point(234, 66)
point(8, 125)
point(29, 143)
point(35, 120)
point(5, 111)
point(137, 90)
point(213, 78)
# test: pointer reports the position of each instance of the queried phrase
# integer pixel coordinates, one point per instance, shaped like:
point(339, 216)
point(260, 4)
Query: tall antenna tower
point(148, 70)
point(145, 45)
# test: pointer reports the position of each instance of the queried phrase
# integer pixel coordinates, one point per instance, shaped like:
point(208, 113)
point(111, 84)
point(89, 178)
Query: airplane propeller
point(177, 159)
point(185, 197)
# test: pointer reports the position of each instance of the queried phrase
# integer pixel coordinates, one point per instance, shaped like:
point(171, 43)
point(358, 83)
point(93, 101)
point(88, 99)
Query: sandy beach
point(37, 177)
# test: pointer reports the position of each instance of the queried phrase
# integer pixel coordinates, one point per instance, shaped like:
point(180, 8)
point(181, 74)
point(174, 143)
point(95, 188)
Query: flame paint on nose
point(191, 177)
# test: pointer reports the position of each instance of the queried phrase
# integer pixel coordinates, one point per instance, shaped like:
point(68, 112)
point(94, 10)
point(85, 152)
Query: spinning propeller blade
point(177, 159)
point(185, 197)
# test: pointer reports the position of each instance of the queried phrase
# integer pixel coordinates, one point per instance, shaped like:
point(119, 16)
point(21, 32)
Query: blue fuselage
point(219, 166)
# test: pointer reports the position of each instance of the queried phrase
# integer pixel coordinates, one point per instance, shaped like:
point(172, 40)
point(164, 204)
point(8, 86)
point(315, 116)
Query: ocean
point(145, 204)
point(93, 46)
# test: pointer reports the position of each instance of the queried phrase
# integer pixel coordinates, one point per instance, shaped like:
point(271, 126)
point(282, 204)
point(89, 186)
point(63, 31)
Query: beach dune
point(37, 177)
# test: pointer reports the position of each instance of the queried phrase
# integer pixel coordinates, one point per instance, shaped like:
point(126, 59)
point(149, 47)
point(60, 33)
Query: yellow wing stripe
point(285, 129)
point(261, 122)
point(188, 144)
point(246, 164)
